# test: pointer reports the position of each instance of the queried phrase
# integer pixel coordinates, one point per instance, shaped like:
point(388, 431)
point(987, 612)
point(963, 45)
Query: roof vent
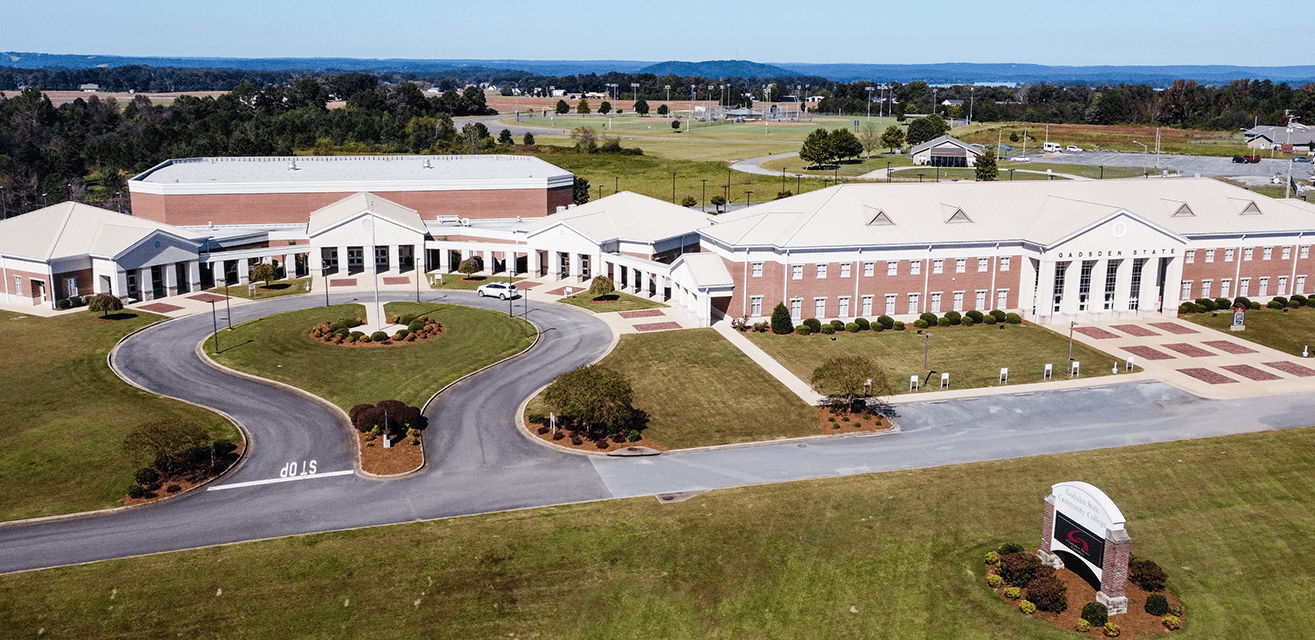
point(427, 165)
point(292, 166)
point(955, 214)
point(877, 217)
point(1184, 212)
point(1250, 210)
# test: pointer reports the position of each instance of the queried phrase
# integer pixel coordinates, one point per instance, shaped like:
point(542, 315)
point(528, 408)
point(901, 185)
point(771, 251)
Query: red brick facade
point(1200, 269)
point(25, 288)
point(85, 283)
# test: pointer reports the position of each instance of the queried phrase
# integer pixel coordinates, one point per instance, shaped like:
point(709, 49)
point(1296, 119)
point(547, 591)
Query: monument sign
point(1082, 525)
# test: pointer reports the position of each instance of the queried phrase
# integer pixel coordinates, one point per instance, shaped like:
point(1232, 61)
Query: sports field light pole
point(673, 187)
point(634, 91)
point(870, 89)
point(668, 88)
point(692, 98)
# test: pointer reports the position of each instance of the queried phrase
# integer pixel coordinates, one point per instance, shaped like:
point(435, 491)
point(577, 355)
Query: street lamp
point(1144, 153)
point(228, 310)
point(870, 89)
point(926, 343)
point(748, 197)
point(704, 204)
point(1071, 325)
point(214, 321)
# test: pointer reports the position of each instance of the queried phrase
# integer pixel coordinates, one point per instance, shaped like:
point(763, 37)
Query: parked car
point(501, 290)
point(1020, 159)
point(1073, 148)
point(1050, 147)
point(1239, 160)
point(1253, 159)
point(1301, 159)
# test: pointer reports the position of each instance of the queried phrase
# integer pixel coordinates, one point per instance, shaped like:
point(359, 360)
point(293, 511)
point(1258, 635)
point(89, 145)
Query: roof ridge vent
point(958, 216)
point(1250, 210)
point(1184, 211)
point(877, 217)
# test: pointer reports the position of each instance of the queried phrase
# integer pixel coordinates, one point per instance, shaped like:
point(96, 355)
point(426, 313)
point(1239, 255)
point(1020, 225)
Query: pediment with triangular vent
point(1184, 211)
point(954, 214)
point(877, 217)
point(1250, 210)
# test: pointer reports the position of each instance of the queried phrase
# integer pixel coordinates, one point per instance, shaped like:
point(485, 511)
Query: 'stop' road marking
point(253, 483)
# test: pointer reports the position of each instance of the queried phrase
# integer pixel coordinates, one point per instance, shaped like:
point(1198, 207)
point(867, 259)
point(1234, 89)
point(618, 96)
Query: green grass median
point(1289, 332)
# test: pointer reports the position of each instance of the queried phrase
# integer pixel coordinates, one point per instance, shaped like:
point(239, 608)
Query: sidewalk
point(769, 364)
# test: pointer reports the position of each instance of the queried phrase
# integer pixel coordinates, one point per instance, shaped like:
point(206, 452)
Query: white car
point(1073, 149)
point(500, 290)
point(1020, 159)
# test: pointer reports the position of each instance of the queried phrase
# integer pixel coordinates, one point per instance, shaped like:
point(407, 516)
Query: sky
point(1053, 32)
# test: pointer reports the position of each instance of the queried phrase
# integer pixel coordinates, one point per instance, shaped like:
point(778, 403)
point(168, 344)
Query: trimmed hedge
point(813, 324)
point(863, 324)
point(1157, 604)
point(1013, 318)
point(1018, 568)
point(1147, 575)
point(886, 321)
point(1095, 613)
point(828, 329)
point(802, 330)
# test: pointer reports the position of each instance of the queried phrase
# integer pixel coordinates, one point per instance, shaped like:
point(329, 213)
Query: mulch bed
point(1173, 327)
point(432, 329)
point(1189, 350)
point(1136, 623)
point(184, 481)
point(404, 456)
point(589, 445)
point(1148, 353)
point(856, 422)
point(1207, 375)
point(1134, 330)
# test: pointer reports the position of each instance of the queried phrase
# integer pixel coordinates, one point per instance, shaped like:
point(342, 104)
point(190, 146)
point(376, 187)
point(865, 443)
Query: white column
point(170, 279)
point(1173, 286)
point(343, 268)
point(1149, 293)
point(510, 258)
point(1096, 299)
point(119, 285)
point(394, 258)
point(1069, 305)
point(1122, 287)
point(1045, 289)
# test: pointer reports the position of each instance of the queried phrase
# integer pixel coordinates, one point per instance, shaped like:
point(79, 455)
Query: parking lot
point(1208, 166)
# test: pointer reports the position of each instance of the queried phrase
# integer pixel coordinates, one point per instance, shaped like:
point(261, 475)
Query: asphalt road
point(1207, 166)
point(479, 463)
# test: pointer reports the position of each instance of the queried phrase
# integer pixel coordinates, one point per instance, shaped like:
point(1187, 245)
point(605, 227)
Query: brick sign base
point(1117, 544)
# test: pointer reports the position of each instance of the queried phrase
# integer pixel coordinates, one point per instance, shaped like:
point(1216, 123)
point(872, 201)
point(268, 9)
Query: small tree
point(580, 191)
point(265, 272)
point(869, 137)
point(688, 201)
point(504, 137)
point(675, 124)
point(641, 107)
point(601, 286)
point(468, 267)
point(663, 109)
point(562, 107)
point(528, 139)
point(848, 375)
point(105, 303)
point(781, 322)
point(844, 144)
point(605, 108)
point(892, 138)
point(595, 397)
point(985, 167)
point(718, 201)
point(582, 107)
point(164, 442)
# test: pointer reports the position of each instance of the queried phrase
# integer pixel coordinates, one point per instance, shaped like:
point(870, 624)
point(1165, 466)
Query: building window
point(797, 272)
point(1001, 298)
point(819, 307)
point(1225, 287)
point(844, 307)
point(1247, 253)
point(797, 308)
point(1228, 255)
point(892, 268)
point(958, 301)
point(1084, 284)
point(757, 269)
point(890, 305)
point(1301, 285)
point(915, 267)
point(821, 271)
point(1205, 288)
point(913, 303)
point(1264, 287)
point(844, 270)
point(1244, 287)
point(1057, 293)
point(935, 303)
point(867, 305)
point(1268, 254)
point(18, 285)
point(937, 266)
point(981, 300)
point(983, 264)
point(1209, 255)
point(1287, 253)
point(1305, 251)
point(756, 306)
point(869, 269)
point(1134, 291)
point(1004, 263)
point(1282, 286)
point(1190, 256)
point(960, 265)
point(1187, 290)
point(1111, 283)
point(70, 287)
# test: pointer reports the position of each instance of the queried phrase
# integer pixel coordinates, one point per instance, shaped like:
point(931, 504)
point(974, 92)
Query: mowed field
point(888, 555)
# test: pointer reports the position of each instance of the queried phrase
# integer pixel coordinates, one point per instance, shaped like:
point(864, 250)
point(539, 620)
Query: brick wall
point(85, 279)
point(1199, 270)
point(26, 290)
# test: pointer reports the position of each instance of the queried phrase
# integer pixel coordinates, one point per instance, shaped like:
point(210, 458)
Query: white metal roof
point(353, 205)
point(707, 269)
point(945, 139)
point(625, 216)
point(1043, 212)
point(71, 229)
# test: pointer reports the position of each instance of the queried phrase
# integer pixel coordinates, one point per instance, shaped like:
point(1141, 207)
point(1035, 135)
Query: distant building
point(1274, 137)
point(945, 151)
point(89, 87)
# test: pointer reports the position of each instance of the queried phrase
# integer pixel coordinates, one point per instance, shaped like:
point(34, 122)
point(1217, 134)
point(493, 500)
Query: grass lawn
point(1287, 332)
point(904, 549)
point(261, 292)
point(615, 301)
point(280, 348)
point(699, 390)
point(65, 414)
point(1108, 138)
point(972, 356)
point(457, 281)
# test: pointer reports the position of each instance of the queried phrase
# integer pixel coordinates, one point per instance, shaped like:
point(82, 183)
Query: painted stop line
point(253, 483)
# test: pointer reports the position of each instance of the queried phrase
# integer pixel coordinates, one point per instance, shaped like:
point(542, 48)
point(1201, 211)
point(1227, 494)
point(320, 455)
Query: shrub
point(575, 440)
point(1082, 626)
point(602, 443)
point(1147, 575)
point(356, 335)
point(899, 325)
point(781, 322)
point(762, 327)
point(401, 334)
point(1254, 306)
point(929, 318)
point(633, 436)
point(1172, 623)
point(1112, 630)
point(342, 333)
point(534, 418)
point(1297, 298)
point(968, 322)
point(415, 325)
point(1095, 613)
point(886, 321)
point(1294, 304)
point(1188, 307)
point(173, 488)
point(1013, 593)
point(543, 430)
point(1048, 592)
point(1242, 301)
point(146, 475)
point(954, 317)
point(802, 330)
point(813, 324)
point(1206, 304)
point(943, 322)
point(920, 323)
point(136, 492)
point(994, 581)
point(992, 557)
point(989, 319)
point(1008, 548)
point(828, 329)
point(63, 303)
point(1027, 607)
point(838, 324)
point(1176, 610)
point(863, 324)
point(1013, 318)
point(1275, 304)
point(1223, 304)
point(1157, 604)
point(559, 435)
point(1018, 568)
point(976, 315)
point(1000, 316)
point(852, 327)
point(1281, 300)
point(378, 336)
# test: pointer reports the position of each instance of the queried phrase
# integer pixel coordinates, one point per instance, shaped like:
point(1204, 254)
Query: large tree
point(844, 144)
point(816, 149)
point(641, 107)
point(594, 397)
point(580, 191)
point(985, 168)
point(928, 128)
point(781, 322)
point(582, 107)
point(892, 138)
point(605, 108)
point(562, 107)
point(848, 376)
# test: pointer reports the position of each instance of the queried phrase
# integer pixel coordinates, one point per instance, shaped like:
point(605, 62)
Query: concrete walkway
point(769, 364)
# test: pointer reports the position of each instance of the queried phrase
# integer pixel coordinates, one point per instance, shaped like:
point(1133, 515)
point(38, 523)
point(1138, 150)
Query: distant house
point(1274, 137)
point(952, 103)
point(945, 151)
point(89, 87)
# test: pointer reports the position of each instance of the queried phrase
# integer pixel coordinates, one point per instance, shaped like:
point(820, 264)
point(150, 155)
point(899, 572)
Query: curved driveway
point(479, 463)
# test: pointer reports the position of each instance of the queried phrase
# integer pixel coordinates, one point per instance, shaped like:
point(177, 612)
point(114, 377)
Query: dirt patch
point(832, 423)
point(406, 454)
point(184, 481)
point(1136, 623)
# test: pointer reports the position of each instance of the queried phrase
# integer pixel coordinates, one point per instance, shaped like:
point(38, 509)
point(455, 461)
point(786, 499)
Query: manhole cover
point(679, 496)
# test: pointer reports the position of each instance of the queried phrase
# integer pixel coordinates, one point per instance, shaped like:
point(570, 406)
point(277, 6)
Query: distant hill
point(941, 73)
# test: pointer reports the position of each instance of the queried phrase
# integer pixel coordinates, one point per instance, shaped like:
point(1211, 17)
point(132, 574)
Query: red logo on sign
point(1073, 538)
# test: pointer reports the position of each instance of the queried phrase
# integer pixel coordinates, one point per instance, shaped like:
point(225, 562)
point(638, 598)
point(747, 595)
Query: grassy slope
point(280, 348)
point(1287, 332)
point(623, 302)
point(65, 414)
point(1226, 517)
point(972, 355)
point(279, 288)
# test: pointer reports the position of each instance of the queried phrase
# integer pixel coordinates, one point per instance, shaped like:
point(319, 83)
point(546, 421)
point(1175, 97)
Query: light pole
point(704, 204)
point(228, 310)
point(673, 187)
point(748, 197)
point(692, 98)
point(214, 321)
point(972, 98)
point(926, 343)
point(1071, 325)
point(668, 88)
point(1144, 153)
point(4, 208)
point(368, 225)
point(634, 91)
point(870, 89)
